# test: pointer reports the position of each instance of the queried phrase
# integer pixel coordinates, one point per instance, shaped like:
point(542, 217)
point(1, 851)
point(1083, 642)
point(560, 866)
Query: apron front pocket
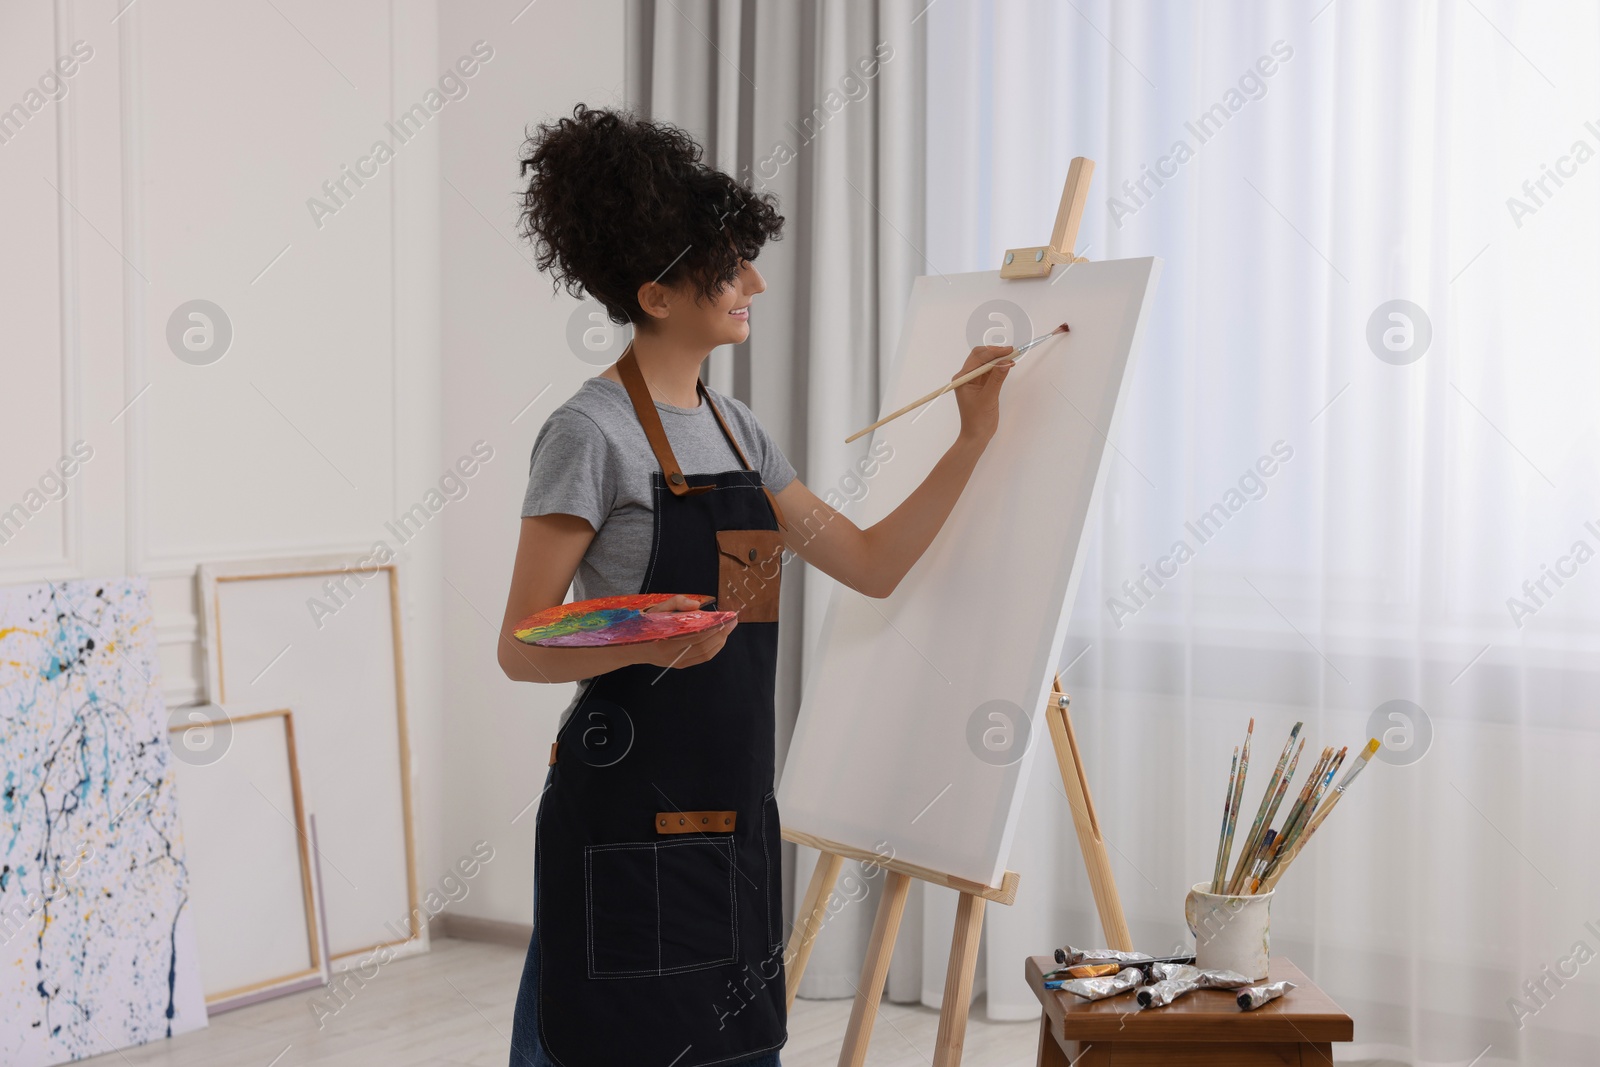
point(749, 568)
point(659, 907)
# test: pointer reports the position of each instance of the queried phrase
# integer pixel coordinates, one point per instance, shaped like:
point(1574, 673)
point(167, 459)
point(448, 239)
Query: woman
point(658, 933)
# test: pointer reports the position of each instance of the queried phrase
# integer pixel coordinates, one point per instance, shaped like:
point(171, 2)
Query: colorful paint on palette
point(614, 620)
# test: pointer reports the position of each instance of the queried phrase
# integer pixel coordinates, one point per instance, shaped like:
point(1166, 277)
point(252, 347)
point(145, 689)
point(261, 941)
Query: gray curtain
point(821, 103)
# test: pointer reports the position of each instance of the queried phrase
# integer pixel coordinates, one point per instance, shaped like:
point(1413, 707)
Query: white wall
point(184, 151)
point(506, 366)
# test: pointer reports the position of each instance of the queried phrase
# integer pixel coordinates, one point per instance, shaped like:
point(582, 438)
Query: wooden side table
point(1207, 1028)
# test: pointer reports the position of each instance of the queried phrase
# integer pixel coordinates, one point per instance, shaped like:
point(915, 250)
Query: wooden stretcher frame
point(317, 974)
point(212, 575)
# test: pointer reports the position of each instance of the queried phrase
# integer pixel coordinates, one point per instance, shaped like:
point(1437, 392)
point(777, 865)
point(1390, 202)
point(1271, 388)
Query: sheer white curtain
point(1429, 529)
point(1363, 153)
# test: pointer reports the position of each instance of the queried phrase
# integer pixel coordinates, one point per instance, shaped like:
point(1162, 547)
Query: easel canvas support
point(1034, 262)
point(1107, 901)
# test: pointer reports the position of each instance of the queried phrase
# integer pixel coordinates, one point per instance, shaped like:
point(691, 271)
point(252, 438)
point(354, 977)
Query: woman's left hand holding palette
point(615, 620)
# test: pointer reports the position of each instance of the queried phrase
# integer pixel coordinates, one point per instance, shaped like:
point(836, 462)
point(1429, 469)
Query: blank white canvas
point(337, 672)
point(239, 823)
point(882, 757)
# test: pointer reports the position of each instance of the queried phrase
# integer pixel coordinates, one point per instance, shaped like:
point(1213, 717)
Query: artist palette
point(614, 620)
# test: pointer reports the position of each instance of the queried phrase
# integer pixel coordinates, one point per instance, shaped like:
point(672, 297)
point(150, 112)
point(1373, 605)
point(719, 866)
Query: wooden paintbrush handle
point(1012, 356)
point(1271, 880)
point(936, 394)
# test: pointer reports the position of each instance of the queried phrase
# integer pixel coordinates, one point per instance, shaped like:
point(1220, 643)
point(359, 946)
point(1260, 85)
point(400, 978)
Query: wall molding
point(134, 310)
point(68, 560)
point(72, 518)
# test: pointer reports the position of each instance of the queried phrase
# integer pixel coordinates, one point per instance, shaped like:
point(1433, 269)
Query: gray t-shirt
point(591, 459)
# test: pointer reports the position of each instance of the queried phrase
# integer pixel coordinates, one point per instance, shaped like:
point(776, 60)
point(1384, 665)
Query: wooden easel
point(1019, 263)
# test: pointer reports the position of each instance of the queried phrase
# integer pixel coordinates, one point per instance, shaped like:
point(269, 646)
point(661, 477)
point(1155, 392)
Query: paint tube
point(1214, 979)
point(1054, 979)
point(1165, 992)
point(1202, 979)
point(1173, 980)
point(1101, 988)
point(1173, 972)
point(1257, 995)
point(1070, 956)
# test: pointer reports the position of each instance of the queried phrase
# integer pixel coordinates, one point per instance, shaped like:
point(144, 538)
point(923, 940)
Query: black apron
point(656, 867)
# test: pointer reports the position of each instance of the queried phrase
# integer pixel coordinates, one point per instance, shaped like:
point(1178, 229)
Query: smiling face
point(729, 315)
point(680, 312)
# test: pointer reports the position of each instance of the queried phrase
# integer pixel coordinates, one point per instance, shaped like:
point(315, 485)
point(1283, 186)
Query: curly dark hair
point(614, 201)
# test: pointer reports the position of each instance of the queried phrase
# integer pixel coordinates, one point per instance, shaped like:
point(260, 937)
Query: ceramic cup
point(1230, 932)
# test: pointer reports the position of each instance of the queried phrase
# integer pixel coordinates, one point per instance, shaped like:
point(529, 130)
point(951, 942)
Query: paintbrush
point(1283, 786)
point(1237, 801)
point(1238, 796)
point(1307, 791)
point(1322, 813)
point(1271, 835)
point(1222, 838)
point(1081, 970)
point(1299, 806)
point(976, 372)
point(1258, 866)
point(1322, 789)
point(1303, 813)
point(1253, 840)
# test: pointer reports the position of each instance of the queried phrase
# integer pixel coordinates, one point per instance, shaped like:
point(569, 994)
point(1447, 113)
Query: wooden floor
point(453, 1006)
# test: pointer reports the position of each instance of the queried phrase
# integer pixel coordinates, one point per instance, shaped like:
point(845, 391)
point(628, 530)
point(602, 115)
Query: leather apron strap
point(645, 408)
point(777, 512)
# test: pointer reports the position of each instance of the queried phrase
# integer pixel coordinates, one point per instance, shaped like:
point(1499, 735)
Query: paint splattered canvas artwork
point(614, 620)
point(98, 948)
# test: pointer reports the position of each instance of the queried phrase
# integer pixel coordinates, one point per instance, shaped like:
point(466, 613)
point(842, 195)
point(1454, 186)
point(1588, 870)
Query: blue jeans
point(526, 1051)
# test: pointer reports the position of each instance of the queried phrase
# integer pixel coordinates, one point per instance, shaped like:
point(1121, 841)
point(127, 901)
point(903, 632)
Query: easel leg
point(874, 969)
point(813, 909)
point(1106, 899)
point(958, 981)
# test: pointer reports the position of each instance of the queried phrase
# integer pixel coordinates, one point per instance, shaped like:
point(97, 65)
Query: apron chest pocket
point(659, 907)
point(749, 567)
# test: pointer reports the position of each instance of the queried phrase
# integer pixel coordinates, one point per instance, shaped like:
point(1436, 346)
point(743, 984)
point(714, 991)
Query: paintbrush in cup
point(1303, 812)
point(1252, 842)
point(1222, 838)
point(1317, 820)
